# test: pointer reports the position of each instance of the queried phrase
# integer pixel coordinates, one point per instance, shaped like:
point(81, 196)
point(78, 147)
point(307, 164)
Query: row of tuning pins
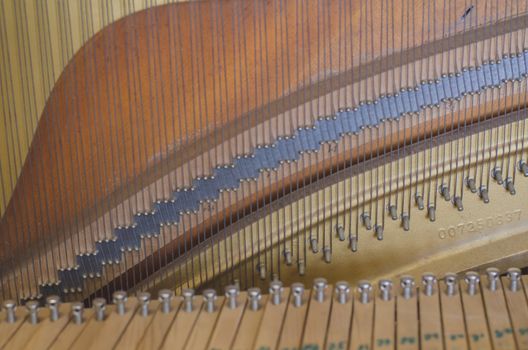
point(342, 294)
point(366, 220)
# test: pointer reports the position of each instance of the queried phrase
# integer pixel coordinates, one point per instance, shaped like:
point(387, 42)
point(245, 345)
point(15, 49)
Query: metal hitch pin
point(188, 297)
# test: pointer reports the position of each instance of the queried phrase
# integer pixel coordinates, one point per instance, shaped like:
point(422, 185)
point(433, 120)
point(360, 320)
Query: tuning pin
point(406, 222)
point(429, 282)
point(419, 201)
point(472, 185)
point(393, 212)
point(493, 278)
point(32, 307)
point(444, 192)
point(451, 283)
point(144, 301)
point(297, 290)
point(261, 269)
point(120, 298)
point(431, 212)
point(407, 286)
point(275, 291)
point(53, 303)
point(319, 286)
point(378, 231)
point(287, 256)
point(301, 266)
point(472, 279)
point(523, 167)
point(365, 218)
point(254, 297)
point(209, 296)
point(353, 243)
point(327, 255)
point(514, 275)
point(165, 297)
point(457, 202)
point(314, 245)
point(484, 194)
point(385, 289)
point(364, 289)
point(10, 307)
point(496, 174)
point(340, 230)
point(231, 293)
point(99, 305)
point(509, 185)
point(342, 291)
point(77, 311)
point(188, 297)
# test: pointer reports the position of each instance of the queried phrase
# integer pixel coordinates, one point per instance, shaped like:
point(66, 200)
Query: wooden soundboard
point(465, 312)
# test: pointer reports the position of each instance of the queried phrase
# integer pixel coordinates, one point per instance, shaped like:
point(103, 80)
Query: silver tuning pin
point(144, 301)
point(340, 230)
point(393, 212)
point(484, 194)
point(209, 296)
point(457, 202)
point(514, 276)
point(444, 192)
point(406, 222)
point(10, 307)
point(472, 279)
point(385, 289)
point(378, 231)
point(99, 305)
point(493, 278)
point(188, 298)
point(287, 256)
point(53, 303)
point(364, 289)
point(407, 286)
point(327, 255)
point(428, 282)
point(261, 269)
point(496, 174)
point(472, 185)
point(32, 307)
point(523, 168)
point(231, 293)
point(119, 298)
point(77, 311)
point(451, 282)
point(353, 243)
point(254, 297)
point(165, 297)
point(419, 201)
point(509, 185)
point(319, 288)
point(342, 291)
point(367, 222)
point(314, 244)
point(275, 290)
point(431, 213)
point(297, 290)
